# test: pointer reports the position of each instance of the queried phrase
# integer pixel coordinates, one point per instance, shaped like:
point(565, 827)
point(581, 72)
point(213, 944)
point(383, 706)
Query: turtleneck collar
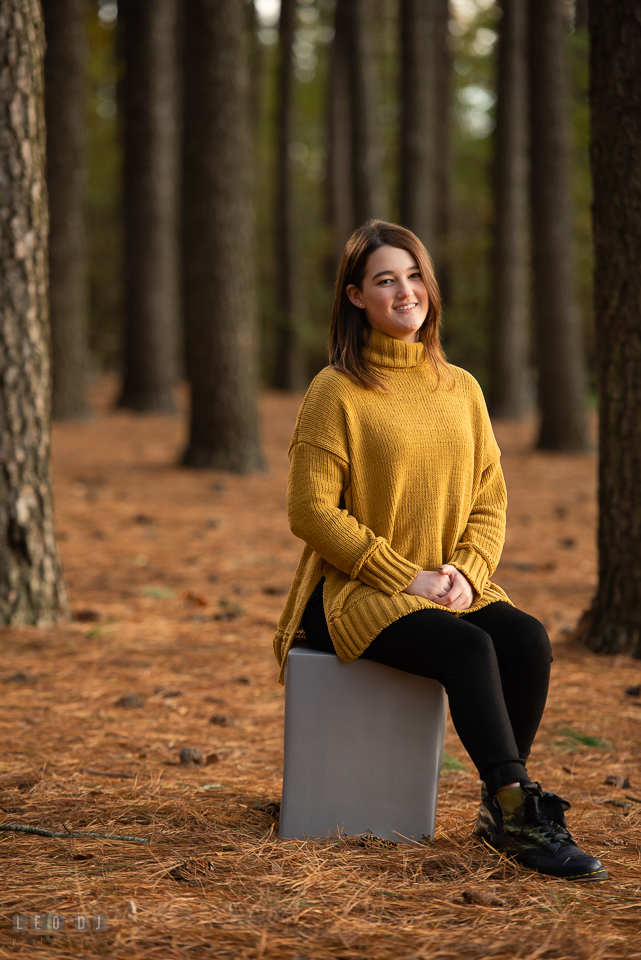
point(385, 351)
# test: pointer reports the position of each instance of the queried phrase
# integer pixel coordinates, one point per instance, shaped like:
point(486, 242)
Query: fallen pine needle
point(109, 773)
point(40, 832)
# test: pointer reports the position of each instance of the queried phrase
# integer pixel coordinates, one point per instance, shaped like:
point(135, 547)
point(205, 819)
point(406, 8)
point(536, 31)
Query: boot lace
point(544, 818)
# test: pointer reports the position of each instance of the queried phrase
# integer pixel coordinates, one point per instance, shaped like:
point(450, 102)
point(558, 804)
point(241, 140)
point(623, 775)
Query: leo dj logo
point(54, 923)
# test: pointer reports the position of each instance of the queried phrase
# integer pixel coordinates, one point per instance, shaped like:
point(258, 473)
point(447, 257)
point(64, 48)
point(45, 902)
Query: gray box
point(363, 749)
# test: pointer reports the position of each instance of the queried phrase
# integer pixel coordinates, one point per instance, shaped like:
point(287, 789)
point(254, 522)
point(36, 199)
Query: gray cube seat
point(363, 749)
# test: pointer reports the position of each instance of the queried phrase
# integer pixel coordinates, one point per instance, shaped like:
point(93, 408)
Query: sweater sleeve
point(478, 551)
point(315, 488)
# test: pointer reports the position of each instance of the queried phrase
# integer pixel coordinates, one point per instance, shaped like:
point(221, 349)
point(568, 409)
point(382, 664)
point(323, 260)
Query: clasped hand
point(446, 586)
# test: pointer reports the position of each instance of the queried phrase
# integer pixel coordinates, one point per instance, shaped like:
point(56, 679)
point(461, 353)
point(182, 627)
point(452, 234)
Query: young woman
point(397, 490)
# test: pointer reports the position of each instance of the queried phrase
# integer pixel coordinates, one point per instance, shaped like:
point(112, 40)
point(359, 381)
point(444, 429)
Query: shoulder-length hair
point(349, 331)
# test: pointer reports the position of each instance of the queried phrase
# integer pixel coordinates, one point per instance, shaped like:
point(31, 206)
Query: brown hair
point(349, 331)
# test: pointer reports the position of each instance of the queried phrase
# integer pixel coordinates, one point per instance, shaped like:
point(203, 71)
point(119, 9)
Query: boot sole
point(581, 877)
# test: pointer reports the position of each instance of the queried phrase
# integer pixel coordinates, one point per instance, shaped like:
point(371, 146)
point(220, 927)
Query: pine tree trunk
point(218, 240)
point(418, 127)
point(509, 331)
point(443, 162)
point(256, 65)
point(561, 376)
point(339, 179)
point(614, 623)
point(289, 366)
point(580, 14)
point(31, 586)
point(66, 116)
point(150, 203)
point(366, 152)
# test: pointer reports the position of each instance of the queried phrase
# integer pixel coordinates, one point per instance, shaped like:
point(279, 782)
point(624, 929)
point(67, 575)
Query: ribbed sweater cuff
point(472, 564)
point(386, 570)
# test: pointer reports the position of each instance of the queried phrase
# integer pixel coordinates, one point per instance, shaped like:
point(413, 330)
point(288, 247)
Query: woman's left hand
point(460, 596)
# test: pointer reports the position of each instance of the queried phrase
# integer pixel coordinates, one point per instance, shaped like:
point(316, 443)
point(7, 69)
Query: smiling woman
point(383, 272)
point(397, 490)
point(392, 294)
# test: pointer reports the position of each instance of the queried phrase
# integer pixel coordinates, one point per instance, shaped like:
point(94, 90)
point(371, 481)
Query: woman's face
point(392, 294)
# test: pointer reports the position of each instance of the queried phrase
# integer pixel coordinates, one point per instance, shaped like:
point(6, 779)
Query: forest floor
point(176, 579)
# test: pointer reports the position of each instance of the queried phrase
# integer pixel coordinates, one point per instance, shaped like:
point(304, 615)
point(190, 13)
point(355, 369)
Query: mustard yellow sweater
point(383, 485)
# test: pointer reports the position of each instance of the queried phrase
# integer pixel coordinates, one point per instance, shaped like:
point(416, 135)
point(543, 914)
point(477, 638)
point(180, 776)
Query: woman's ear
point(354, 295)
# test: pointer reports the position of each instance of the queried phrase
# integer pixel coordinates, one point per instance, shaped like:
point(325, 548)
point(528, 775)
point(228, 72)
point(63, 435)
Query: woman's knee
point(471, 645)
point(532, 638)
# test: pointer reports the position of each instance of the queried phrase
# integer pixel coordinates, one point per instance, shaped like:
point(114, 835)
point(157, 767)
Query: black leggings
point(494, 665)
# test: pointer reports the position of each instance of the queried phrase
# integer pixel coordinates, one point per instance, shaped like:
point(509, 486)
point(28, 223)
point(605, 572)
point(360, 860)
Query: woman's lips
point(406, 307)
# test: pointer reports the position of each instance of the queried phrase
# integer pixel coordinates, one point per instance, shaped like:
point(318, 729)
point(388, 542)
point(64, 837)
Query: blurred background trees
point(559, 344)
point(409, 109)
point(151, 146)
point(219, 276)
point(509, 354)
point(289, 355)
point(65, 111)
point(235, 146)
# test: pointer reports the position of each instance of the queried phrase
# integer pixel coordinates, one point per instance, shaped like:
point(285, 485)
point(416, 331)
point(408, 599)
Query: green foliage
point(450, 764)
point(158, 593)
point(574, 740)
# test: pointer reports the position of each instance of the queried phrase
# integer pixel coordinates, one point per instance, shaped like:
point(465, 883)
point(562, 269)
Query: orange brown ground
point(185, 572)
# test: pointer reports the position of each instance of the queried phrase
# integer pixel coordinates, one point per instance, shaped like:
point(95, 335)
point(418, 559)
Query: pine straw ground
point(183, 573)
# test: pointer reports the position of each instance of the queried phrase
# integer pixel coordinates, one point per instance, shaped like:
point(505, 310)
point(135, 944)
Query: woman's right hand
point(429, 584)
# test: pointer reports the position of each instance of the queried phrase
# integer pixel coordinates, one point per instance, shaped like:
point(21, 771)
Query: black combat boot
point(529, 826)
point(489, 822)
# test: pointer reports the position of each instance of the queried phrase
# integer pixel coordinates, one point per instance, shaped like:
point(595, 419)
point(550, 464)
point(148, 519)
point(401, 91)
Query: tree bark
point(443, 163)
point(31, 586)
point(219, 285)
point(614, 623)
point(150, 172)
point(65, 111)
point(580, 14)
point(256, 65)
point(339, 179)
point(509, 330)
point(560, 352)
point(419, 123)
point(289, 366)
point(366, 152)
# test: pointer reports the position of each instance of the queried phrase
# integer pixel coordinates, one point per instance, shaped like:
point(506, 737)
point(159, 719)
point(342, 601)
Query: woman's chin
point(408, 332)
point(399, 330)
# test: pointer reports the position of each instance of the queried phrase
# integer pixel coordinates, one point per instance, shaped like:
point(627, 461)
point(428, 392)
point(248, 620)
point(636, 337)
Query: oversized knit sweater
point(385, 484)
